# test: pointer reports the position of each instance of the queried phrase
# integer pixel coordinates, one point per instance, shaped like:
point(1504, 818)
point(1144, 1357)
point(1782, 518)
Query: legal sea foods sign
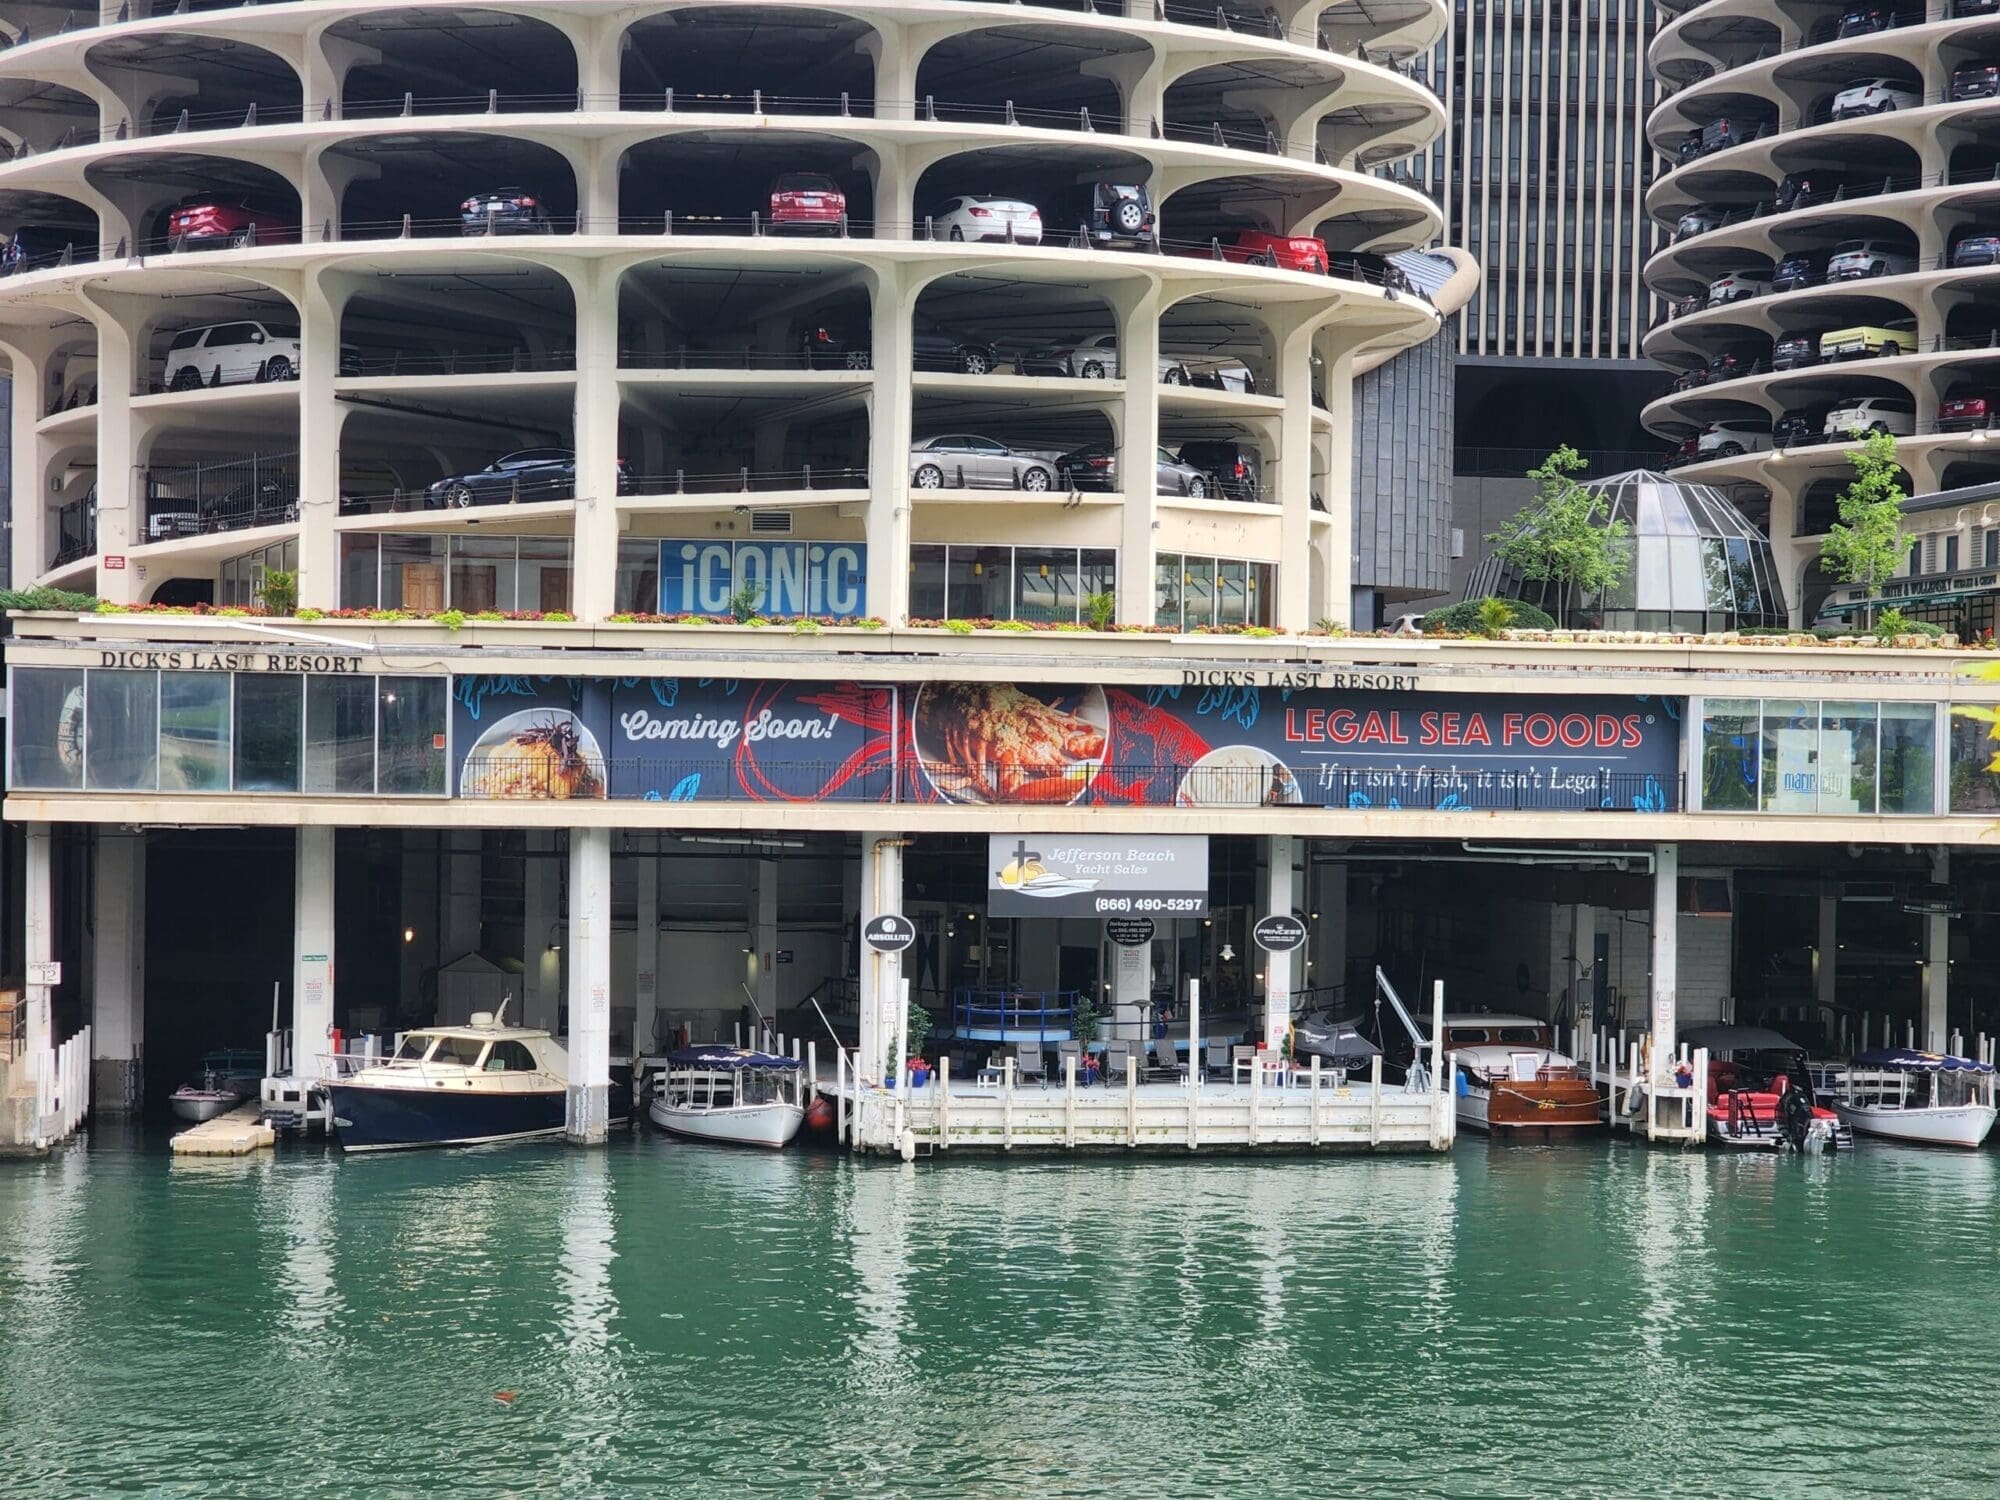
point(685, 739)
point(1073, 875)
point(790, 578)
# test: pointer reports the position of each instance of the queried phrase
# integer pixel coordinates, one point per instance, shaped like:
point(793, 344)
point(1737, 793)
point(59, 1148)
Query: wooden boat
point(718, 1093)
point(1512, 1081)
point(1931, 1098)
point(1760, 1092)
point(472, 1085)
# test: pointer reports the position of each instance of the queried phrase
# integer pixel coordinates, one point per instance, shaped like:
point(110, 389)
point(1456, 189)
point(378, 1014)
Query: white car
point(231, 353)
point(1728, 439)
point(1096, 358)
point(1874, 96)
point(1865, 414)
point(1856, 258)
point(987, 219)
point(1738, 285)
point(1697, 221)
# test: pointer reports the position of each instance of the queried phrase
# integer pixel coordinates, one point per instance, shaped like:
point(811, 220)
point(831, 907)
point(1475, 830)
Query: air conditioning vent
point(771, 522)
point(1457, 542)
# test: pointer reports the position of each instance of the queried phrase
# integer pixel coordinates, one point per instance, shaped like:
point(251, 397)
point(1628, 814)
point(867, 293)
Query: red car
point(1295, 252)
point(1962, 412)
point(811, 202)
point(219, 224)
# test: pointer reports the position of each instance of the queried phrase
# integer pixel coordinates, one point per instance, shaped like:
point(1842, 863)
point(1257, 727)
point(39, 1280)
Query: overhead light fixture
point(409, 934)
point(745, 842)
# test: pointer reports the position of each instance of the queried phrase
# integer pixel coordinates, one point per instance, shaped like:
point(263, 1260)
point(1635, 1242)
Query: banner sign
point(975, 743)
point(1094, 875)
point(791, 578)
point(1245, 746)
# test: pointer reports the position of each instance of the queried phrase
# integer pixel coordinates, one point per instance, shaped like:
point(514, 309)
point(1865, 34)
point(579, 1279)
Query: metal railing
point(258, 489)
point(1011, 1014)
point(76, 532)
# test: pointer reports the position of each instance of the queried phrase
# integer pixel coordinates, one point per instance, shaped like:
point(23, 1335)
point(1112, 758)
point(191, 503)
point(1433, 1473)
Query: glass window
point(1846, 779)
point(1232, 592)
point(1045, 584)
point(1790, 757)
point(1908, 753)
point(410, 736)
point(340, 734)
point(1167, 589)
point(979, 581)
point(463, 1050)
point(1729, 755)
point(360, 556)
point(47, 727)
point(123, 723)
point(1198, 578)
point(510, 1057)
point(267, 732)
point(482, 574)
point(413, 572)
point(194, 731)
point(542, 576)
point(636, 590)
point(927, 571)
point(1099, 574)
point(1263, 592)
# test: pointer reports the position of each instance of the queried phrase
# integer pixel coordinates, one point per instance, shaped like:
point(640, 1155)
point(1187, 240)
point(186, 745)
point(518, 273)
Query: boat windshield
point(1518, 1036)
point(464, 1050)
point(415, 1045)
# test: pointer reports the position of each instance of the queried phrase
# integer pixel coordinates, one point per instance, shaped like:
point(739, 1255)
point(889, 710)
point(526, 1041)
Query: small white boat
point(228, 1078)
point(718, 1093)
point(1930, 1098)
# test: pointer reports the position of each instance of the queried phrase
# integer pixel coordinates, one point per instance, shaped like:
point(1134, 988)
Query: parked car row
point(1088, 357)
point(1200, 470)
point(1851, 417)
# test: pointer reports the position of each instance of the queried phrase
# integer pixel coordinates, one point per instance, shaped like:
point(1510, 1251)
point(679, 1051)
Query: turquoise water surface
point(676, 1319)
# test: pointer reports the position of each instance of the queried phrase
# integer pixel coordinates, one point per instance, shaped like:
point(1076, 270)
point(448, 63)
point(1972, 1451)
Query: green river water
point(1592, 1319)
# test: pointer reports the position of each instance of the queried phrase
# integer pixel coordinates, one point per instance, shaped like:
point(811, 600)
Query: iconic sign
point(1279, 933)
point(790, 578)
point(889, 933)
point(1130, 932)
point(1095, 875)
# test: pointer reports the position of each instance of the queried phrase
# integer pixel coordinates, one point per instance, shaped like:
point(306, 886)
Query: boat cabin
point(717, 1078)
point(481, 1048)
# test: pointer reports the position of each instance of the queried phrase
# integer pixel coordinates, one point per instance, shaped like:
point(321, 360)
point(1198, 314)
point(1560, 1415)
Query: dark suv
point(1800, 268)
point(1232, 466)
point(1795, 351)
point(836, 348)
point(507, 210)
point(1120, 214)
point(1800, 425)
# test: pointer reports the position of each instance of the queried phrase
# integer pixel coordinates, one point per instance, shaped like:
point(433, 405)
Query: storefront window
point(1167, 590)
point(47, 728)
point(542, 574)
point(1907, 757)
point(267, 733)
point(1729, 755)
point(927, 583)
point(979, 583)
point(1790, 756)
point(1099, 574)
point(122, 720)
point(194, 732)
point(1846, 779)
point(482, 574)
point(410, 736)
point(360, 557)
point(1263, 592)
point(1198, 581)
point(1232, 593)
point(413, 573)
point(340, 735)
point(636, 589)
point(1045, 584)
point(1975, 752)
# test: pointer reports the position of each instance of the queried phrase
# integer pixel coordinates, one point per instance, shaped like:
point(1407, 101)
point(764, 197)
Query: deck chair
point(1028, 1062)
point(1115, 1054)
point(1216, 1062)
point(1242, 1060)
point(1167, 1065)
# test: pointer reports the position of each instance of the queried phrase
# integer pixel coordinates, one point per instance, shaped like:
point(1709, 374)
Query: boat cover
point(1738, 1039)
point(1906, 1060)
point(729, 1057)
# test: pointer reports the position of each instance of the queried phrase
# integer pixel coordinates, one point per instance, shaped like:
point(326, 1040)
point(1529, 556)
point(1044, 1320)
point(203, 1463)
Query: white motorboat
point(719, 1093)
point(470, 1085)
point(1930, 1098)
point(1512, 1081)
point(228, 1078)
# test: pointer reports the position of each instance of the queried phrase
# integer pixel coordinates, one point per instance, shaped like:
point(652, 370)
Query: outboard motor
point(1795, 1116)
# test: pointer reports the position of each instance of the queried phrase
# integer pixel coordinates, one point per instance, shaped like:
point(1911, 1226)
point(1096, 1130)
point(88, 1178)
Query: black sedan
point(527, 474)
point(1096, 468)
point(508, 210)
point(930, 349)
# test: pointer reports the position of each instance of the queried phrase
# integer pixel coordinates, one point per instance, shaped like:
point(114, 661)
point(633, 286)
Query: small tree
point(1567, 535)
point(1867, 542)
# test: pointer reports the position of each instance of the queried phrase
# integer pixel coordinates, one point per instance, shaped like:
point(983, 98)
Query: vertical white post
point(589, 985)
point(1665, 1024)
point(903, 1039)
point(1256, 1094)
point(840, 1094)
point(1131, 1100)
point(944, 1102)
point(1007, 1105)
point(1197, 1045)
point(881, 973)
point(1314, 1132)
point(312, 955)
point(1277, 966)
point(38, 908)
point(118, 998)
point(1069, 1099)
point(1375, 1100)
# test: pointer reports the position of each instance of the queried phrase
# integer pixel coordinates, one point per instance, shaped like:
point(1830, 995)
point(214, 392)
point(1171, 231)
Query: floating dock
point(237, 1133)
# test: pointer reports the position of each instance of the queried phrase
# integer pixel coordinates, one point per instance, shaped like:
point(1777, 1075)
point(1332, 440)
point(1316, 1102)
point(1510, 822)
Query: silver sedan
point(962, 461)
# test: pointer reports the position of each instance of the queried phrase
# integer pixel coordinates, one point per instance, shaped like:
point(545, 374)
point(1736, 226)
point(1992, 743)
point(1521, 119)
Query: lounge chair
point(1028, 1062)
point(1242, 1063)
point(1167, 1065)
point(1216, 1062)
point(1115, 1054)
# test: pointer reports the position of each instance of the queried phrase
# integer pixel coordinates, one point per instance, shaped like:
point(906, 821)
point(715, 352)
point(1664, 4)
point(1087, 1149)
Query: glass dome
point(1698, 564)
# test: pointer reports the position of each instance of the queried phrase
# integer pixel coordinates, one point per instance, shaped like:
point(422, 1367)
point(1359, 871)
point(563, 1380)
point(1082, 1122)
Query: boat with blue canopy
point(733, 1094)
point(1932, 1098)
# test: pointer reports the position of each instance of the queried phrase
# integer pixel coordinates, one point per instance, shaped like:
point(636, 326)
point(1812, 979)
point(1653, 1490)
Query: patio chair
point(1028, 1063)
point(1167, 1065)
point(1115, 1054)
point(1216, 1062)
point(994, 1071)
point(1242, 1061)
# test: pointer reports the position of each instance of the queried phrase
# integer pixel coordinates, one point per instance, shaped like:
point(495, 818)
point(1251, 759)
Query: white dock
point(1656, 1107)
point(237, 1133)
point(1304, 1109)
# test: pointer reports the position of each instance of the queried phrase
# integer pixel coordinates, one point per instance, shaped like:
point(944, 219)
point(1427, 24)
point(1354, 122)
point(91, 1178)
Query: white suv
point(1874, 96)
point(1728, 439)
point(1866, 414)
point(1856, 258)
point(230, 353)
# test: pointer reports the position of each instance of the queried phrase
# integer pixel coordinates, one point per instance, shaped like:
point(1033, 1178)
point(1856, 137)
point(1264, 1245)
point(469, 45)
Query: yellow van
point(1866, 341)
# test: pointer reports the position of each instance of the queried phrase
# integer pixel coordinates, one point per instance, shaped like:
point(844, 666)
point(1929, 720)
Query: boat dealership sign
point(1072, 875)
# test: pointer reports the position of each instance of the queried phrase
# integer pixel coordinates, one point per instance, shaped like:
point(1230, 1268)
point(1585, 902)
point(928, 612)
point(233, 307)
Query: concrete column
point(1826, 956)
point(1338, 495)
point(121, 488)
point(1937, 964)
point(541, 965)
point(27, 355)
point(881, 973)
point(39, 919)
point(1137, 309)
point(594, 573)
point(312, 955)
point(888, 522)
point(1278, 901)
point(1664, 1021)
point(646, 950)
point(1296, 608)
point(321, 298)
point(118, 996)
point(589, 984)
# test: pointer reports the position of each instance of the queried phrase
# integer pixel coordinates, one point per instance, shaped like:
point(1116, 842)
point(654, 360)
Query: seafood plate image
point(1238, 776)
point(543, 754)
point(986, 742)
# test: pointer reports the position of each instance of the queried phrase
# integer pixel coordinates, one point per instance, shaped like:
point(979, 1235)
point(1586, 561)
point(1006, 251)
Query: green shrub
point(61, 599)
point(1894, 623)
point(1467, 617)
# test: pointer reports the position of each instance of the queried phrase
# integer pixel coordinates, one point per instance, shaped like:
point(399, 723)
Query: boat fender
point(1458, 1084)
point(1635, 1099)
